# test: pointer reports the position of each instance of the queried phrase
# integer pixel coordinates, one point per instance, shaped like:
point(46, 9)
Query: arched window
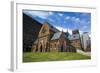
point(41, 48)
point(55, 45)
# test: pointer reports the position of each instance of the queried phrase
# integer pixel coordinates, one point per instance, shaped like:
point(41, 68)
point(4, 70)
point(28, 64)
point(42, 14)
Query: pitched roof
point(73, 37)
point(52, 27)
point(56, 35)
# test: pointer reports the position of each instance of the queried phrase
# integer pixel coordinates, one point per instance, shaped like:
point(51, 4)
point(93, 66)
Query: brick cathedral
point(51, 39)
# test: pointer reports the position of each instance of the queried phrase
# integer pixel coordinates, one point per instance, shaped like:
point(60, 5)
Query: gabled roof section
point(52, 27)
point(56, 36)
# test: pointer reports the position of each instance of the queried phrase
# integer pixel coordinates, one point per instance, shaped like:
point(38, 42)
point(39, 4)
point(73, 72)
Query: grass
point(52, 56)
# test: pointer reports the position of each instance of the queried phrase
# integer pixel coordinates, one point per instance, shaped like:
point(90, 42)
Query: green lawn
point(52, 56)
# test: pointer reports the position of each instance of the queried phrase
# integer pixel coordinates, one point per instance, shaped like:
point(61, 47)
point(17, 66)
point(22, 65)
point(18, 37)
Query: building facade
point(50, 39)
point(75, 39)
point(86, 43)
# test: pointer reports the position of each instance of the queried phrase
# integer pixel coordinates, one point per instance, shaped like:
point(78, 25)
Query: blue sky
point(63, 20)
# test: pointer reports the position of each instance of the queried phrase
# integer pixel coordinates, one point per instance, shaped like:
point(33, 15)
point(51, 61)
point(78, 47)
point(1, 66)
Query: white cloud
point(50, 13)
point(60, 14)
point(52, 20)
point(64, 29)
point(83, 22)
point(67, 17)
point(73, 18)
point(77, 19)
point(84, 27)
point(81, 32)
point(88, 22)
point(84, 14)
point(80, 22)
point(41, 14)
point(69, 30)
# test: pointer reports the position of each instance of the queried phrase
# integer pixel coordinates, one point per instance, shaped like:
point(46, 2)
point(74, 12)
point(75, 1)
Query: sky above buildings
point(63, 20)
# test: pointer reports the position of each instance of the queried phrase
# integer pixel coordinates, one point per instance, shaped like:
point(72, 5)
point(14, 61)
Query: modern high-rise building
point(85, 39)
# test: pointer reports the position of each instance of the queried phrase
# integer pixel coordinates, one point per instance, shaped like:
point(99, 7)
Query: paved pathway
point(84, 53)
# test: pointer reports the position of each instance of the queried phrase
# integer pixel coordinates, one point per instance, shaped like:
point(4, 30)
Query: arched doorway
point(41, 48)
point(62, 48)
